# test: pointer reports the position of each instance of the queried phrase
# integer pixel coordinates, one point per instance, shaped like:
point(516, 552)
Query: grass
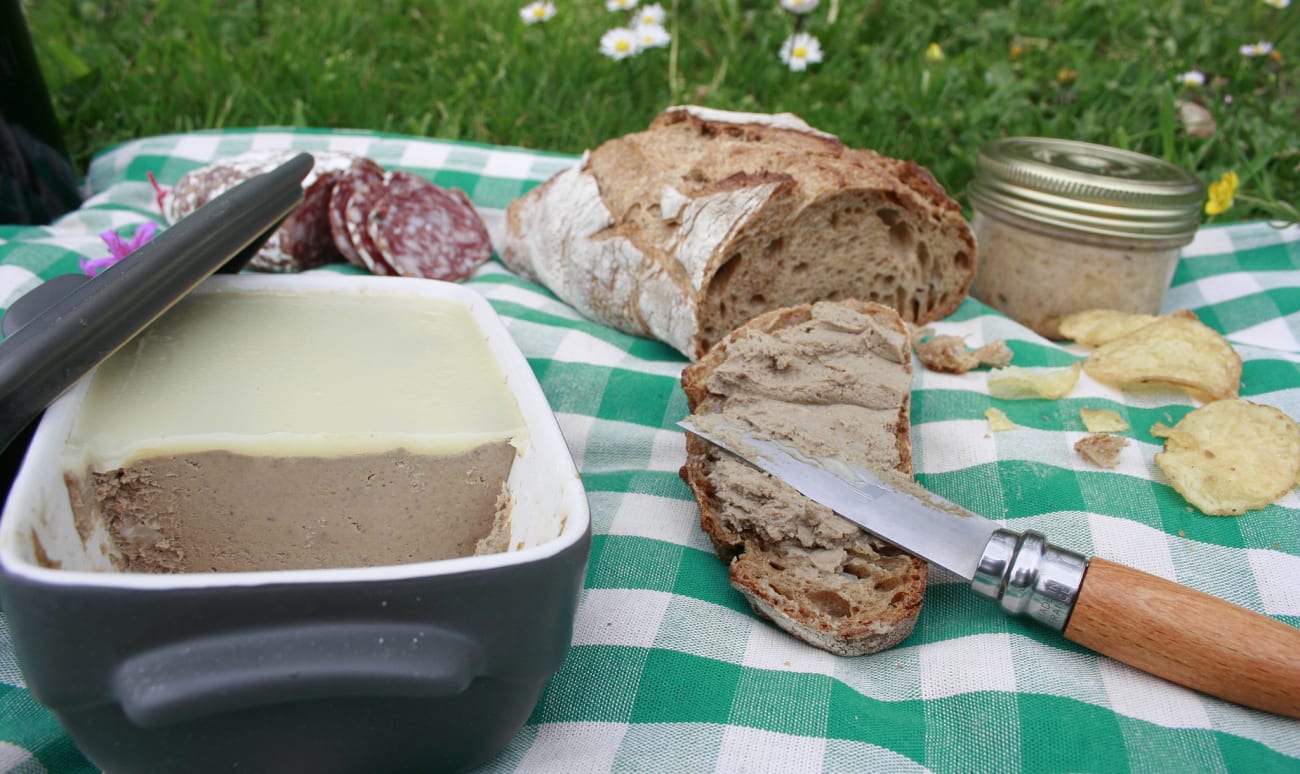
point(471, 70)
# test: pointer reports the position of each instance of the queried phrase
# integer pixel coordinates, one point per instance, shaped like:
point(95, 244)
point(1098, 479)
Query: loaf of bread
point(709, 218)
point(831, 379)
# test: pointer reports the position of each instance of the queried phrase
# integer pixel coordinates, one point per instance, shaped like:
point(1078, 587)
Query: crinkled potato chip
point(998, 420)
point(1161, 430)
point(1231, 456)
point(1096, 327)
point(1102, 420)
point(1016, 383)
point(1100, 326)
point(1173, 350)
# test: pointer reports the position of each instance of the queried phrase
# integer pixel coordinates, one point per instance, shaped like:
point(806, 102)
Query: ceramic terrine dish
point(300, 523)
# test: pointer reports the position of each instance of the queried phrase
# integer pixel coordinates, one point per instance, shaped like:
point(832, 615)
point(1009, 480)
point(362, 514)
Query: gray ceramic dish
point(430, 666)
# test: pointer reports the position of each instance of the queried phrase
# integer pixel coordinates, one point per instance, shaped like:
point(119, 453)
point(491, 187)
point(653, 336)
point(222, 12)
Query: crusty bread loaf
point(831, 378)
point(689, 229)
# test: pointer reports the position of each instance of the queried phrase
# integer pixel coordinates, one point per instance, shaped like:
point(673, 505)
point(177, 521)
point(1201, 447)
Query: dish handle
point(191, 679)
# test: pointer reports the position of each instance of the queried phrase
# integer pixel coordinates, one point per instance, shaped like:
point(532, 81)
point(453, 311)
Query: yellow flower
point(1221, 193)
point(1067, 75)
point(1017, 51)
point(933, 53)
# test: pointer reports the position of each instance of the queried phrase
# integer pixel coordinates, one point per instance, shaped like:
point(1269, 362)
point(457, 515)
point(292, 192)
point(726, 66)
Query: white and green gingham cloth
point(670, 670)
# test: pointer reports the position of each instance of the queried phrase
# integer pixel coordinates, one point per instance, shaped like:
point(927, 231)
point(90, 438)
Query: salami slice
point(303, 241)
point(363, 170)
point(297, 243)
point(429, 232)
point(394, 223)
point(356, 214)
point(306, 237)
point(402, 183)
point(200, 186)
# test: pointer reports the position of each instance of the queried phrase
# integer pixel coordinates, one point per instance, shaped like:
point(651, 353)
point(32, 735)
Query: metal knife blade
point(922, 523)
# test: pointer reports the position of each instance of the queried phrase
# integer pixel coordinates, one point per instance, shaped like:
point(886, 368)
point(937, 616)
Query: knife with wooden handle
point(1171, 631)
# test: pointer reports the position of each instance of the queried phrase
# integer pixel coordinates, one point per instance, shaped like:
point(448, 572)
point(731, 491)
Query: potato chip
point(1173, 350)
point(1096, 327)
point(998, 420)
point(1231, 456)
point(1102, 420)
point(1100, 326)
point(1017, 383)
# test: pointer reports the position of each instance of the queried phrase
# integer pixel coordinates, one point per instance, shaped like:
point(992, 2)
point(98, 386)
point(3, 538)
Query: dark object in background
point(37, 181)
point(11, 458)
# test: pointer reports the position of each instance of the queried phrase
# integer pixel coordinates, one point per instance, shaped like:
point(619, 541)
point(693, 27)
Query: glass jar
point(1064, 226)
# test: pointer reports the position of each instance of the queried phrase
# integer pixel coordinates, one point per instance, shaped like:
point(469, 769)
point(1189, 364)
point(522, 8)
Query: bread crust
point(828, 609)
point(709, 218)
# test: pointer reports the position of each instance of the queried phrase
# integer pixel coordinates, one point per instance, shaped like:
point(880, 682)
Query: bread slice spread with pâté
point(831, 379)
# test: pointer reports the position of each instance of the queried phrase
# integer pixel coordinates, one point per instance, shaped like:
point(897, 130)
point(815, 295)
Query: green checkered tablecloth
point(671, 671)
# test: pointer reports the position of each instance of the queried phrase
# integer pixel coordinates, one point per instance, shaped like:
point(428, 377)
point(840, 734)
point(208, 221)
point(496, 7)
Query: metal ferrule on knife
point(1029, 576)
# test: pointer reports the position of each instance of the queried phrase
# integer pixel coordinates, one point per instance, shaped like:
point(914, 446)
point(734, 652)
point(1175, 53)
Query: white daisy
point(620, 43)
point(620, 5)
point(652, 36)
point(651, 14)
point(537, 12)
point(1262, 48)
point(800, 50)
point(799, 6)
point(1191, 78)
point(1278, 3)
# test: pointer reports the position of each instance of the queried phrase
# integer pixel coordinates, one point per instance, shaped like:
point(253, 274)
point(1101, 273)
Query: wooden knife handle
point(1188, 637)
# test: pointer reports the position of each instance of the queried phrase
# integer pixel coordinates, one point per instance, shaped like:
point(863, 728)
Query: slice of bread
point(708, 218)
point(830, 378)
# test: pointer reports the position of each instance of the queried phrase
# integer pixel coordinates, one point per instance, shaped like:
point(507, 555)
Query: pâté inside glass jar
point(1064, 226)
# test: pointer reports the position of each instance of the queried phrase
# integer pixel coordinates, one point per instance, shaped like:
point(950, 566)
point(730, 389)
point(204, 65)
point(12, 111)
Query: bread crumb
point(916, 335)
point(998, 420)
point(995, 354)
point(948, 354)
point(1101, 449)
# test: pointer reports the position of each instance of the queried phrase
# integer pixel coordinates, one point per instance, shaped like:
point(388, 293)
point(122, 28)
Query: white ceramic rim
point(543, 429)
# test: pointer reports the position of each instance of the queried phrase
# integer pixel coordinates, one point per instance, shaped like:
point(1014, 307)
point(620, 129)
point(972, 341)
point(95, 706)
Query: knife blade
point(1169, 630)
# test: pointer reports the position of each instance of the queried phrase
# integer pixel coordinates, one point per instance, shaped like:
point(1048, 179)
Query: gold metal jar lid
point(1092, 189)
